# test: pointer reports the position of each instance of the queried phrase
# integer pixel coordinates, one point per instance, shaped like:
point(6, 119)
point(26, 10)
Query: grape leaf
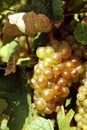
point(10, 32)
point(64, 120)
point(12, 89)
point(7, 50)
point(40, 124)
point(57, 10)
point(80, 33)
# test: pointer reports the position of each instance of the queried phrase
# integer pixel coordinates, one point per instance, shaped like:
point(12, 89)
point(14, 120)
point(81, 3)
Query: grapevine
point(43, 65)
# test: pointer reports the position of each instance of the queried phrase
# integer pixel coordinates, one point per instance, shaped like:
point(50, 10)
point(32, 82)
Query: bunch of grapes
point(54, 73)
point(81, 102)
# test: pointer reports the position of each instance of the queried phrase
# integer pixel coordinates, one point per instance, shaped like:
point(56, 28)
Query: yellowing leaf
point(64, 120)
point(7, 50)
point(40, 124)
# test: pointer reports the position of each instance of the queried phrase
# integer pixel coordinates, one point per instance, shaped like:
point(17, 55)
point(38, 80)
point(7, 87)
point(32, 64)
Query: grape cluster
point(54, 73)
point(81, 102)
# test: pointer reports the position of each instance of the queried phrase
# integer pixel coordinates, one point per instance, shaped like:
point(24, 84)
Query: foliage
point(64, 120)
point(26, 25)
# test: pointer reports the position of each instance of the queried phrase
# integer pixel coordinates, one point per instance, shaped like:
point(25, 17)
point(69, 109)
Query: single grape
point(65, 91)
point(40, 104)
point(37, 72)
point(48, 73)
point(66, 74)
point(65, 51)
point(75, 60)
point(62, 82)
point(57, 89)
point(80, 96)
point(85, 103)
point(78, 117)
point(57, 69)
point(81, 110)
point(80, 69)
point(69, 65)
point(49, 51)
point(40, 52)
point(48, 62)
point(74, 73)
point(57, 58)
point(41, 80)
point(47, 94)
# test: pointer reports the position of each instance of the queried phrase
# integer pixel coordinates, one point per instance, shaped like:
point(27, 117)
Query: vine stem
point(28, 45)
point(72, 13)
point(51, 35)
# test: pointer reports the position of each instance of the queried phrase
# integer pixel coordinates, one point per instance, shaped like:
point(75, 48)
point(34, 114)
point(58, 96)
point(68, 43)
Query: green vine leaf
point(64, 120)
point(40, 124)
point(57, 10)
point(80, 33)
point(12, 89)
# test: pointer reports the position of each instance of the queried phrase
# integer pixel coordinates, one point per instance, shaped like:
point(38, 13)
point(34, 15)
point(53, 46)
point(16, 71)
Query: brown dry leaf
point(35, 23)
point(10, 32)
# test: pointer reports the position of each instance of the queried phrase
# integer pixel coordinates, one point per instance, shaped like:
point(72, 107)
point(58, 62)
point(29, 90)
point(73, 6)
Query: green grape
point(80, 69)
point(47, 94)
point(78, 117)
point(85, 103)
point(40, 104)
point(49, 51)
point(38, 72)
point(79, 125)
point(40, 52)
point(80, 96)
point(81, 110)
point(48, 62)
point(57, 58)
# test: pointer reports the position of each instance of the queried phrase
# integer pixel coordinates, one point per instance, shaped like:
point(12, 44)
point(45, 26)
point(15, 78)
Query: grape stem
point(51, 35)
point(72, 13)
point(28, 45)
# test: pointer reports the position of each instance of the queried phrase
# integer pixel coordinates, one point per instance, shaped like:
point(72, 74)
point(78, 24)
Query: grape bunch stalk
point(53, 76)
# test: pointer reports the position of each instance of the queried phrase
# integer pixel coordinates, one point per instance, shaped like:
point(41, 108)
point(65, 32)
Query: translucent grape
point(66, 74)
point(66, 51)
point(57, 69)
point(47, 94)
point(57, 58)
point(62, 82)
point(40, 104)
point(41, 81)
point(49, 51)
point(48, 73)
point(40, 52)
point(57, 89)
